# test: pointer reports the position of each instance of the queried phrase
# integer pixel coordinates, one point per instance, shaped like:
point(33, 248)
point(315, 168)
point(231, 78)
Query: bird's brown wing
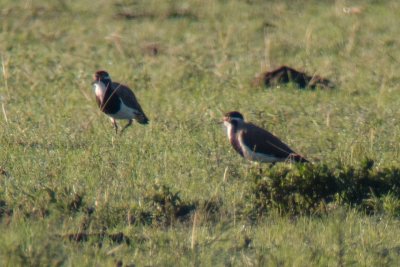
point(127, 96)
point(262, 141)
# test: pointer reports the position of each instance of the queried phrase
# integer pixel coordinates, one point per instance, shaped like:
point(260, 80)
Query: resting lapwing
point(117, 100)
point(256, 144)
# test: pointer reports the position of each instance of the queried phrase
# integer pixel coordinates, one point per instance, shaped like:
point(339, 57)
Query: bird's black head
point(102, 76)
point(233, 117)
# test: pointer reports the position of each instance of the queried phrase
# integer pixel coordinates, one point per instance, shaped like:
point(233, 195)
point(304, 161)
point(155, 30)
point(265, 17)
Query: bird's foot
point(115, 126)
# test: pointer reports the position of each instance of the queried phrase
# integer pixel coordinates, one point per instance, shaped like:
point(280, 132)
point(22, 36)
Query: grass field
point(72, 193)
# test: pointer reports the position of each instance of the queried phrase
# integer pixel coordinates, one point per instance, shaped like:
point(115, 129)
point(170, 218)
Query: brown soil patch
point(285, 74)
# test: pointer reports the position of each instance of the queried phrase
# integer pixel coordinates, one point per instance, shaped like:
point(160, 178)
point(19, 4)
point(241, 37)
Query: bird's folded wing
point(262, 141)
point(127, 96)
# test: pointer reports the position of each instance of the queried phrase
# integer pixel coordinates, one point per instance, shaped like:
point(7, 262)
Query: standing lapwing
point(256, 144)
point(117, 100)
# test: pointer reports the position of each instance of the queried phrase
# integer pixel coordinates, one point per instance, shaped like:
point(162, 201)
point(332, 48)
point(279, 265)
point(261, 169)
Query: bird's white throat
point(99, 89)
point(229, 130)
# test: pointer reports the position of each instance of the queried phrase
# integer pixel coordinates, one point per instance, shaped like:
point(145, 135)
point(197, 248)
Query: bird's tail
point(141, 118)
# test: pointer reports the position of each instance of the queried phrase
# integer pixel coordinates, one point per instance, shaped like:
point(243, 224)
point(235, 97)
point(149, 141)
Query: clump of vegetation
point(162, 206)
point(5, 211)
point(167, 206)
point(315, 189)
point(159, 206)
point(40, 202)
point(84, 237)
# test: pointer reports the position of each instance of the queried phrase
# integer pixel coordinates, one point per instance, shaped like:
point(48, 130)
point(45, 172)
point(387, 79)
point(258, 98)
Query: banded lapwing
point(256, 144)
point(117, 100)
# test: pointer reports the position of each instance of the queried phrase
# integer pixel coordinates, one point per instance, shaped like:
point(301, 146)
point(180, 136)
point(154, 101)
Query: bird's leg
point(114, 122)
point(126, 126)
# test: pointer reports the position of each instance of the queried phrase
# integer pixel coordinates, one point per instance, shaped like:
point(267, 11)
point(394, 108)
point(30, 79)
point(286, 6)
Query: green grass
point(64, 171)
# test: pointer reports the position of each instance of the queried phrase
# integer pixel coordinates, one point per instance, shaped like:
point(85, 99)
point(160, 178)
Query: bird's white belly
point(254, 156)
point(124, 113)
